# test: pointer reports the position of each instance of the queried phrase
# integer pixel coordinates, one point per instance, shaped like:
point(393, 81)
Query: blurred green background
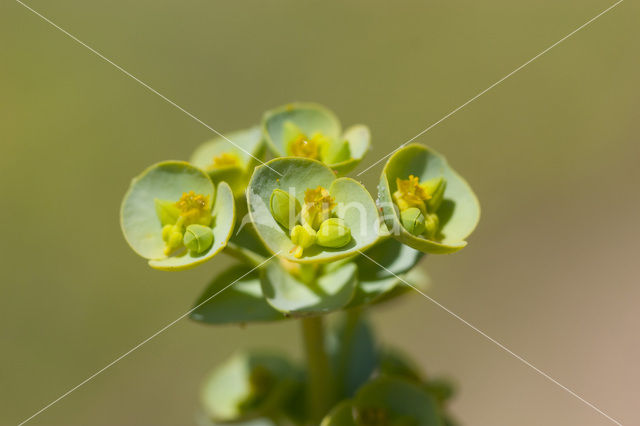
point(552, 271)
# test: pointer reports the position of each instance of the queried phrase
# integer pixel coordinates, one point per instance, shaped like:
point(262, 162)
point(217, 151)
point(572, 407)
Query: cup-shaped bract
point(457, 214)
point(353, 204)
point(231, 162)
point(313, 131)
point(142, 220)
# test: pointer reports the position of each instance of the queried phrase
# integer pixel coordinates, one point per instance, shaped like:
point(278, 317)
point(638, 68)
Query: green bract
point(231, 162)
point(153, 224)
point(312, 131)
point(353, 205)
point(458, 211)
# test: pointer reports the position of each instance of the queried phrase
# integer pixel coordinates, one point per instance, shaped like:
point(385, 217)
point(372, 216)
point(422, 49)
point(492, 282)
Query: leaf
point(224, 220)
point(387, 258)
point(396, 399)
point(242, 302)
point(246, 145)
point(354, 205)
point(291, 296)
point(248, 386)
point(458, 214)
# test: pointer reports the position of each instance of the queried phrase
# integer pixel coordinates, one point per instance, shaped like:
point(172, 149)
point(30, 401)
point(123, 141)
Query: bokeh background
point(552, 271)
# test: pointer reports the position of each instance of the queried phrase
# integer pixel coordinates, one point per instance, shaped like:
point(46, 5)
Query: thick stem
point(320, 392)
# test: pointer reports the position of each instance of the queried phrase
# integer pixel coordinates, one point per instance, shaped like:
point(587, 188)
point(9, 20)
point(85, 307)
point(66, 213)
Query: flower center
point(411, 194)
point(194, 208)
point(225, 160)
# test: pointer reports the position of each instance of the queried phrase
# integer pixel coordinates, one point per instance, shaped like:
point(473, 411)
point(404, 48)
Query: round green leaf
point(354, 205)
point(247, 386)
point(310, 118)
point(242, 302)
point(246, 147)
point(291, 296)
point(223, 220)
point(458, 214)
point(396, 399)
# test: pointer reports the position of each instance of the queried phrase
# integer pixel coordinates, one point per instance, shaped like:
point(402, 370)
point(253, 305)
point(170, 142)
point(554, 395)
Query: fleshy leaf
point(248, 386)
point(242, 302)
point(216, 157)
point(354, 205)
point(224, 219)
point(142, 225)
point(393, 256)
point(396, 399)
point(344, 151)
point(459, 213)
point(291, 296)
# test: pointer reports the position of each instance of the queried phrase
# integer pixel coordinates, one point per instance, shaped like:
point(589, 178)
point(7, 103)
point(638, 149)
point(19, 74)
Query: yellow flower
point(301, 145)
point(318, 204)
point(194, 209)
point(225, 160)
point(410, 194)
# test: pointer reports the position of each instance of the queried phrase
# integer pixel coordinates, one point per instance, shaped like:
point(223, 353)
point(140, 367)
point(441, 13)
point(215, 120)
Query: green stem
point(320, 392)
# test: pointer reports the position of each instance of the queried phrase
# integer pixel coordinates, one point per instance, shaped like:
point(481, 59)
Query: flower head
point(225, 160)
point(194, 209)
point(411, 194)
point(318, 204)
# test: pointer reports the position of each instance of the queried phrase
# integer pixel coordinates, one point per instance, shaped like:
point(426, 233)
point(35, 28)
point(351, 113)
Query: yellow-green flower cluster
point(419, 203)
point(186, 223)
point(311, 224)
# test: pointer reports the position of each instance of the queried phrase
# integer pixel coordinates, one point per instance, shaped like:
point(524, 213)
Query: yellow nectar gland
point(194, 209)
point(318, 204)
point(410, 194)
point(224, 161)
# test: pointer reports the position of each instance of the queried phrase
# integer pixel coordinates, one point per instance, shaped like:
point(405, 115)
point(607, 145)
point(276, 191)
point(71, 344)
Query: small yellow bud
point(174, 241)
point(432, 224)
point(333, 233)
point(198, 238)
point(166, 232)
point(413, 220)
point(303, 236)
point(284, 208)
point(435, 188)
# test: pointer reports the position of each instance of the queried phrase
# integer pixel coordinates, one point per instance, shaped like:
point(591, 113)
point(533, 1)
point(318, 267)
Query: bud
point(303, 236)
point(198, 238)
point(333, 233)
point(432, 225)
point(173, 239)
point(413, 220)
point(284, 208)
point(435, 188)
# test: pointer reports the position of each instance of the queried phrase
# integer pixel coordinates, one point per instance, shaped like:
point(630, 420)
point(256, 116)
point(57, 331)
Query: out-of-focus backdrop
point(552, 272)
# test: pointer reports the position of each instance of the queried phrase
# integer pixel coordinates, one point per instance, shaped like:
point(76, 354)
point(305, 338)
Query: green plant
point(309, 242)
